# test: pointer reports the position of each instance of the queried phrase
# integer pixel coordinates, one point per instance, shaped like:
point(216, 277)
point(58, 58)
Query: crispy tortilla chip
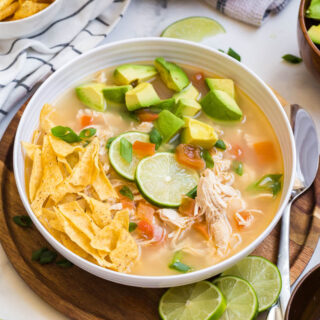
point(61, 148)
point(125, 253)
point(36, 136)
point(55, 233)
point(81, 220)
point(5, 3)
point(85, 170)
point(45, 123)
point(28, 8)
point(51, 177)
point(103, 186)
point(36, 174)
point(106, 239)
point(9, 10)
point(100, 211)
point(30, 149)
point(63, 189)
point(83, 242)
point(122, 218)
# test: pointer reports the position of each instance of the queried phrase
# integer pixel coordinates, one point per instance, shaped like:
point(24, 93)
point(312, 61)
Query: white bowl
point(30, 25)
point(141, 50)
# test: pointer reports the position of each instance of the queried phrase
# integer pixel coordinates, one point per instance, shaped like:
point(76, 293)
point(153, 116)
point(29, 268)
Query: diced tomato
point(147, 116)
point(243, 219)
point(187, 206)
point(190, 156)
point(143, 149)
point(236, 151)
point(198, 77)
point(145, 212)
point(265, 151)
point(202, 228)
point(146, 229)
point(127, 203)
point(86, 120)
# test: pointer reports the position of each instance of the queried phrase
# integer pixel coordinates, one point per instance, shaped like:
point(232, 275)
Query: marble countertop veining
point(261, 50)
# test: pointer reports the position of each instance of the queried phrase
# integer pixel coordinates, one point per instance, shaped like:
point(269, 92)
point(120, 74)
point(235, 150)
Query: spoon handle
point(284, 258)
point(275, 313)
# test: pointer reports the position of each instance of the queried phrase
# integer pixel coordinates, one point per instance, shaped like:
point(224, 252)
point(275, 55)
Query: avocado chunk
point(142, 96)
point(225, 85)
point(198, 133)
point(116, 94)
point(187, 107)
point(167, 104)
point(190, 93)
point(219, 105)
point(128, 73)
point(91, 95)
point(314, 34)
point(171, 74)
point(168, 125)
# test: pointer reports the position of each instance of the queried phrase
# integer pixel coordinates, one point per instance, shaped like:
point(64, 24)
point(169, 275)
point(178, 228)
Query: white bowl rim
point(139, 280)
point(34, 16)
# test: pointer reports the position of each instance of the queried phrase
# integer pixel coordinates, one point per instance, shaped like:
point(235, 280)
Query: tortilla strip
point(30, 149)
point(36, 174)
point(9, 10)
point(5, 3)
point(45, 123)
point(52, 176)
point(28, 8)
point(63, 149)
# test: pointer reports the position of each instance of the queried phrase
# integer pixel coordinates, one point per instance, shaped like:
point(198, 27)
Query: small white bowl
point(143, 50)
point(30, 25)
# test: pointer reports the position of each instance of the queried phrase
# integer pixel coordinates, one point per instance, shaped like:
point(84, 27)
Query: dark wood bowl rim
point(304, 28)
point(298, 287)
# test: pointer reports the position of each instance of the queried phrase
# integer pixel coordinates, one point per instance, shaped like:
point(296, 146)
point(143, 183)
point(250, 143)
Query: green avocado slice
point(171, 74)
point(91, 95)
point(314, 34)
point(116, 94)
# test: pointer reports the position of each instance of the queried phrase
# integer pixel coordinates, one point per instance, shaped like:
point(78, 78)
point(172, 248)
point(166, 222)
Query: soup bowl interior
point(143, 50)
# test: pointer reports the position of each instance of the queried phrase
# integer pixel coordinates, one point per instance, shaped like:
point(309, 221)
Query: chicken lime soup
point(154, 169)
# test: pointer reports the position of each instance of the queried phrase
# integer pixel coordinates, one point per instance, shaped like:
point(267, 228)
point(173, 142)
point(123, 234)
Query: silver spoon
point(306, 140)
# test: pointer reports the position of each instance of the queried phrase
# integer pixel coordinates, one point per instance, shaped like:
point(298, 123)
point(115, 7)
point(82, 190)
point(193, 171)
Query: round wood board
point(82, 296)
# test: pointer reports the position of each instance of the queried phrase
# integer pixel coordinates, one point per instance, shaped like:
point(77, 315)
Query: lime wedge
point(163, 181)
point(199, 301)
point(263, 275)
point(119, 164)
point(242, 302)
point(193, 29)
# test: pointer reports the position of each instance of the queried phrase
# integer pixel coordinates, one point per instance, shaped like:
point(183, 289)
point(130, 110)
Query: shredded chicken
point(172, 218)
point(144, 126)
point(213, 196)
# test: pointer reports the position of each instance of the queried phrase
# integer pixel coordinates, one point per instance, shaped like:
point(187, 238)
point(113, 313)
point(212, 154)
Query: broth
point(254, 127)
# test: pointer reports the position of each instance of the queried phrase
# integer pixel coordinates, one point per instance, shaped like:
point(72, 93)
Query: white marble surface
point(261, 50)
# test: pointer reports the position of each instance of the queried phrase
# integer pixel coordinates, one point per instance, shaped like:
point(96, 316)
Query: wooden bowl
point(308, 50)
point(304, 303)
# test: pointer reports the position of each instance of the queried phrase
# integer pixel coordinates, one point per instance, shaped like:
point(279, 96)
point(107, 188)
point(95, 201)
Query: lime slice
point(198, 301)
point(263, 275)
point(242, 302)
point(123, 168)
point(193, 29)
point(163, 181)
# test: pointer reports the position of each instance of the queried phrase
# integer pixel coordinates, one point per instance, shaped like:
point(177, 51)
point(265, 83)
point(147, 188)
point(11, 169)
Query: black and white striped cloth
point(254, 12)
point(80, 26)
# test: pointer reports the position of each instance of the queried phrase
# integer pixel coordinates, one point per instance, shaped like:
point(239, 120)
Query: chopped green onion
point(126, 149)
point(177, 265)
point(64, 263)
point(109, 142)
point(291, 58)
point(22, 221)
point(47, 256)
point(37, 254)
point(234, 54)
point(87, 133)
point(221, 50)
point(220, 144)
point(155, 137)
point(125, 191)
point(237, 167)
point(206, 156)
point(192, 193)
point(133, 116)
point(66, 134)
point(132, 226)
point(270, 183)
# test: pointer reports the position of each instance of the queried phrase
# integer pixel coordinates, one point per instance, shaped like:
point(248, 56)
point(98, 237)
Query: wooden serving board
point(82, 296)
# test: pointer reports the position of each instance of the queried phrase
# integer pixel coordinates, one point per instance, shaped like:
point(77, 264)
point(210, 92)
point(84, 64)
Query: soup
point(154, 171)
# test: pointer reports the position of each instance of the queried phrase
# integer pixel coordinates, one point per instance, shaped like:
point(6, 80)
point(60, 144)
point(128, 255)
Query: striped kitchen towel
point(249, 11)
point(24, 62)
